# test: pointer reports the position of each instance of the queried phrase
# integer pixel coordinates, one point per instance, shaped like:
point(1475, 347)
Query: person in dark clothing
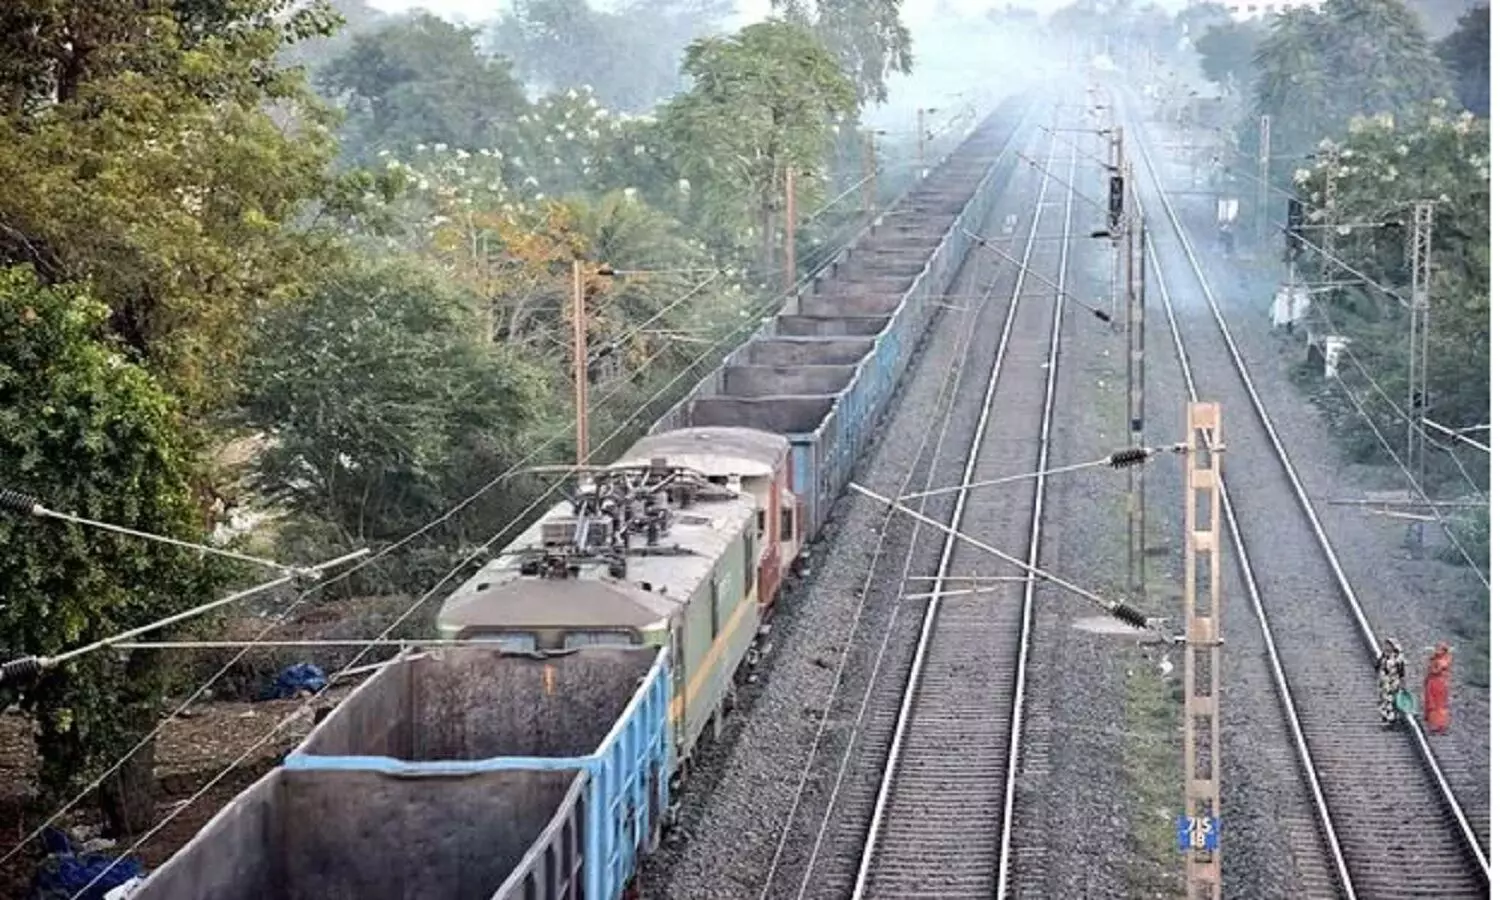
point(1391, 669)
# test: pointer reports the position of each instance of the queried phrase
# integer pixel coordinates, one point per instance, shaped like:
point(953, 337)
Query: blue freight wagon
point(436, 777)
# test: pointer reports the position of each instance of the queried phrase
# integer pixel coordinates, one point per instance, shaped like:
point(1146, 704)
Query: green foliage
point(1228, 53)
point(89, 432)
point(1376, 173)
point(763, 100)
point(627, 57)
point(1466, 52)
point(1352, 57)
point(158, 176)
point(312, 54)
point(867, 38)
point(381, 394)
point(420, 80)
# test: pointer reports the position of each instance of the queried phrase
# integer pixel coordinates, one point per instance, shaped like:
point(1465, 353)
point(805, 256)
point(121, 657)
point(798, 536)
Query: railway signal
point(1295, 219)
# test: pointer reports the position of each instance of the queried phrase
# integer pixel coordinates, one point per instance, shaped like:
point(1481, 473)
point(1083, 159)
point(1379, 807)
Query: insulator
point(15, 501)
point(1129, 614)
point(1131, 457)
point(1101, 315)
point(23, 669)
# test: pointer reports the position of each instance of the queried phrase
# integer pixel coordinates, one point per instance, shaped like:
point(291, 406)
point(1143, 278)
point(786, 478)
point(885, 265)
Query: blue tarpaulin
point(65, 872)
point(294, 680)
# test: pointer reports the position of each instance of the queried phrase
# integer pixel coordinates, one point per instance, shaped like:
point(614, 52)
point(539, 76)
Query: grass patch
point(1153, 754)
point(1153, 763)
point(1153, 703)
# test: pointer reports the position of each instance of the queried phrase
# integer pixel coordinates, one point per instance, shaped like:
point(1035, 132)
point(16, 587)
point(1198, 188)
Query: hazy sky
point(913, 11)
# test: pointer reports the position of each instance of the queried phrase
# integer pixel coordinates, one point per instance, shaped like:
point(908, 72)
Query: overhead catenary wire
point(1117, 608)
point(26, 504)
point(1119, 459)
point(33, 665)
point(1458, 435)
point(1099, 314)
point(273, 645)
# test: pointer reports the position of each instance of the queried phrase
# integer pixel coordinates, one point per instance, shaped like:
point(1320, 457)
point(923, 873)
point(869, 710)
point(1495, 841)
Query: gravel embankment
point(1418, 600)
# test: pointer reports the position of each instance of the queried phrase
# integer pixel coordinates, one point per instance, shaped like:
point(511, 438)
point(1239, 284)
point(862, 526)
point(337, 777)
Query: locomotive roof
point(701, 534)
point(556, 603)
point(712, 450)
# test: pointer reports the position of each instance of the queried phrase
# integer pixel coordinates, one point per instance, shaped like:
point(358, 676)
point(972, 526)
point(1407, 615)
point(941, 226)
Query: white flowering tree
point(1375, 174)
point(510, 239)
point(1317, 68)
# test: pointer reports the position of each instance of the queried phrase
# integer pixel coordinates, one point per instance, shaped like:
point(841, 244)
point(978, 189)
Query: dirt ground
point(196, 747)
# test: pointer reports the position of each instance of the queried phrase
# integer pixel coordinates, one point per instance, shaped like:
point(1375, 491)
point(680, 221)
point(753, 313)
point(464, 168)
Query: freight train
point(535, 756)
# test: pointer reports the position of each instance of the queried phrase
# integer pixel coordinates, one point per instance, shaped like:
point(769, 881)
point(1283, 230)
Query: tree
point(86, 430)
point(867, 38)
point(358, 18)
point(1227, 53)
point(1318, 69)
point(1377, 171)
point(762, 101)
point(137, 153)
point(420, 80)
point(379, 394)
point(628, 58)
point(1466, 52)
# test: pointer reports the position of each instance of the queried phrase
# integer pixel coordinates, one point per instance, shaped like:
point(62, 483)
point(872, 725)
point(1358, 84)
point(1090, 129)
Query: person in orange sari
point(1435, 705)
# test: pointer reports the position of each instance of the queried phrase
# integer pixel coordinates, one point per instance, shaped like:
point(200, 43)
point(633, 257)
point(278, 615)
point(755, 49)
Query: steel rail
point(950, 543)
point(1352, 602)
point(955, 378)
point(1034, 551)
point(945, 410)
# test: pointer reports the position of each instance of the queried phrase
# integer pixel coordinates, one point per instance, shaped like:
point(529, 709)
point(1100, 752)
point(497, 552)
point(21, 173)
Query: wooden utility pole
point(1199, 829)
point(1262, 194)
point(580, 365)
point(869, 172)
point(1421, 290)
point(921, 139)
point(790, 250)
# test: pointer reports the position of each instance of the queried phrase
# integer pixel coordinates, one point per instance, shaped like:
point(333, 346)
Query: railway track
point(813, 856)
point(941, 824)
point(1389, 824)
point(830, 822)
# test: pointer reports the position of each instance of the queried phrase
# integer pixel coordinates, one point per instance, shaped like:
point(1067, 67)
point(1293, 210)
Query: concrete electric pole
point(1421, 289)
point(1127, 227)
